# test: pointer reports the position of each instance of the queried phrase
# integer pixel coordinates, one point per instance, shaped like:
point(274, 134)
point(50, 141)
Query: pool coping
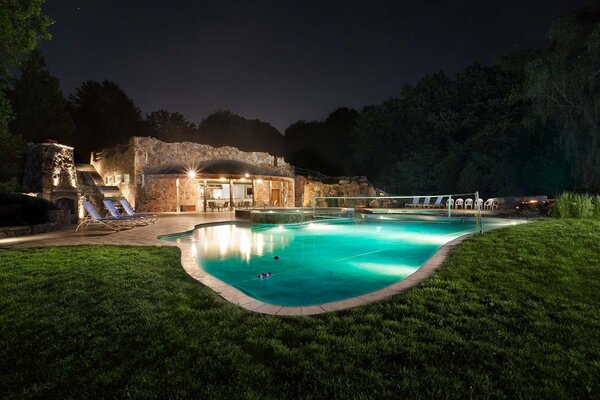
point(241, 299)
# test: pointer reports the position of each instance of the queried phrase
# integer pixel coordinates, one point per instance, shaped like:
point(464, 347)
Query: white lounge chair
point(151, 218)
point(425, 203)
point(469, 204)
point(114, 213)
point(415, 202)
point(459, 203)
point(94, 218)
point(438, 202)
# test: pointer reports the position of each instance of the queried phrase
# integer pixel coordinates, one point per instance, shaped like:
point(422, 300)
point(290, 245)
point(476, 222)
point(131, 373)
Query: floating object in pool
point(276, 258)
point(264, 275)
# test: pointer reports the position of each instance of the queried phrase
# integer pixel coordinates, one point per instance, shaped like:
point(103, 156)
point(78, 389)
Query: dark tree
point(563, 83)
point(223, 128)
point(171, 126)
point(22, 27)
point(323, 146)
point(40, 109)
point(104, 116)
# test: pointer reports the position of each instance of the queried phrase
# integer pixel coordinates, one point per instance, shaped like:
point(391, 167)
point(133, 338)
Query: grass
point(514, 313)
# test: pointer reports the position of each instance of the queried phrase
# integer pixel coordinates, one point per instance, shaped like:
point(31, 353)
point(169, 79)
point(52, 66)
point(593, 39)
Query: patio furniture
point(425, 203)
point(450, 202)
point(490, 204)
point(438, 202)
point(151, 218)
point(459, 203)
point(479, 204)
point(469, 204)
point(414, 203)
point(94, 218)
point(114, 213)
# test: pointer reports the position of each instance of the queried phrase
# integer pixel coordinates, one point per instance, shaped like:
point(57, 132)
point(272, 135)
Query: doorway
point(276, 197)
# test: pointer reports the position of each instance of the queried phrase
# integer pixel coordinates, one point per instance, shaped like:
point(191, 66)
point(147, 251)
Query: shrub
point(573, 205)
point(596, 207)
point(33, 210)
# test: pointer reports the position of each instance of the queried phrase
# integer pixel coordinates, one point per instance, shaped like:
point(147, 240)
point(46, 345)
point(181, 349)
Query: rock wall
point(307, 188)
point(151, 152)
point(49, 167)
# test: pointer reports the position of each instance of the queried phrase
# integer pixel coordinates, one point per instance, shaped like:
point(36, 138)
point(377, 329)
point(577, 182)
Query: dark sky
point(283, 60)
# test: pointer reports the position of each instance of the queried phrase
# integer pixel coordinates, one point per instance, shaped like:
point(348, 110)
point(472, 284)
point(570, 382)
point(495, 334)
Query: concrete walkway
point(138, 236)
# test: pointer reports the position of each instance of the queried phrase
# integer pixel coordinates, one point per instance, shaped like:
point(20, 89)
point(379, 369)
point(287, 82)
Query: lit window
point(109, 180)
point(126, 178)
point(118, 179)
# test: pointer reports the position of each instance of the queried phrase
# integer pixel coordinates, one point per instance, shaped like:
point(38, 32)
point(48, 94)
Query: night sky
point(281, 61)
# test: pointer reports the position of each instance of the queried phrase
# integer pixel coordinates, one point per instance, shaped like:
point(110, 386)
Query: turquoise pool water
point(319, 262)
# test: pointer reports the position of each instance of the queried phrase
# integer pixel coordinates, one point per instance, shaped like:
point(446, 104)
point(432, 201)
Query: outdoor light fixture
point(222, 179)
point(246, 175)
point(191, 174)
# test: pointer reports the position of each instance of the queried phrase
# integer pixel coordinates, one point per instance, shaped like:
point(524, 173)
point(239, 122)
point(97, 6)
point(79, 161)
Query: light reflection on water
point(318, 262)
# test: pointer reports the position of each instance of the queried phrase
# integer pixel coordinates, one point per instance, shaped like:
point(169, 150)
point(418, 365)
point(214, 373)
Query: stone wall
point(307, 188)
point(50, 171)
point(151, 153)
point(144, 153)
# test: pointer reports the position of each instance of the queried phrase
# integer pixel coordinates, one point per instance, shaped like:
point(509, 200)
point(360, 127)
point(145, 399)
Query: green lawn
point(514, 313)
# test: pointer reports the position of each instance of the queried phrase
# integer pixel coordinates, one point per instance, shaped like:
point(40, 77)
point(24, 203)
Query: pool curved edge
point(241, 299)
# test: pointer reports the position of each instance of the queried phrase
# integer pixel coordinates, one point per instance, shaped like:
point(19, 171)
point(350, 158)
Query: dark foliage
point(223, 128)
point(323, 146)
point(22, 209)
point(104, 116)
point(171, 127)
point(39, 107)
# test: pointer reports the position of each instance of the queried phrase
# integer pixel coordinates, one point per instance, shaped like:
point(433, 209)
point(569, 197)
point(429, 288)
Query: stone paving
point(181, 222)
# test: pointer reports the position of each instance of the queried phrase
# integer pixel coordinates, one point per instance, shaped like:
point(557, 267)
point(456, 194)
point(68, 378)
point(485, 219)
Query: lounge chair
point(438, 202)
point(150, 218)
point(426, 202)
point(415, 202)
point(114, 213)
point(469, 204)
point(94, 218)
point(459, 203)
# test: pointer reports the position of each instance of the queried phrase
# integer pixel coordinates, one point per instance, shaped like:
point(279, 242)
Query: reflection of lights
point(386, 269)
point(260, 244)
point(245, 245)
point(194, 251)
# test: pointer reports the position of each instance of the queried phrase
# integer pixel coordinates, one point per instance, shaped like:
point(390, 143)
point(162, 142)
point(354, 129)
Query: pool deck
point(170, 223)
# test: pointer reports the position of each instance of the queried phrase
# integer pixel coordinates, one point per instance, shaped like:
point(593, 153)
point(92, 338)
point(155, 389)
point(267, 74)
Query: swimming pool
point(319, 262)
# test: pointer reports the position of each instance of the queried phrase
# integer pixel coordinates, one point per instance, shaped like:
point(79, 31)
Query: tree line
point(529, 123)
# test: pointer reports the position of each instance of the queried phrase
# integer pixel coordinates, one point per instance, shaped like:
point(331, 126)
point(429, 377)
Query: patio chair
point(94, 218)
point(469, 204)
point(425, 203)
point(459, 203)
point(150, 218)
point(114, 213)
point(488, 204)
point(479, 204)
point(415, 202)
point(450, 202)
point(438, 202)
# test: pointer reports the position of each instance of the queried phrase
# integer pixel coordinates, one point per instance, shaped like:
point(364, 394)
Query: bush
point(573, 205)
point(33, 210)
point(596, 207)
